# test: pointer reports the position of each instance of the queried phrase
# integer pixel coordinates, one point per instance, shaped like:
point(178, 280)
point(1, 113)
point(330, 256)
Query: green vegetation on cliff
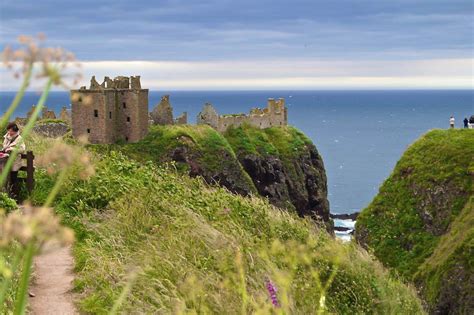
point(280, 163)
point(286, 142)
point(420, 223)
point(197, 150)
point(183, 246)
point(284, 165)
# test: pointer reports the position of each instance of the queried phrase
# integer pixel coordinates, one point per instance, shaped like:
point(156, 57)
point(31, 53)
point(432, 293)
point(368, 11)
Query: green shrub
point(7, 203)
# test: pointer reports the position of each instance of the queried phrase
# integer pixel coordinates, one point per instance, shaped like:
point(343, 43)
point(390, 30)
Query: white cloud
point(284, 74)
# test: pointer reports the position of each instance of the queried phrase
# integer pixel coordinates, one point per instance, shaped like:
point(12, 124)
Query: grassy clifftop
point(183, 246)
point(423, 209)
point(280, 163)
point(285, 166)
point(197, 150)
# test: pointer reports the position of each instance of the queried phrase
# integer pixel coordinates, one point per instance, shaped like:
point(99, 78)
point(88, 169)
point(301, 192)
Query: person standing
point(451, 122)
point(466, 122)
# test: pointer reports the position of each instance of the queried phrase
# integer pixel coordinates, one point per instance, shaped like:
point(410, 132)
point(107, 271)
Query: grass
point(452, 261)
point(190, 247)
point(415, 217)
point(204, 147)
point(285, 141)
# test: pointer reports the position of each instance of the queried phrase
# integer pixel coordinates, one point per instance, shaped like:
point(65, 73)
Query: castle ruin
point(275, 114)
point(114, 110)
point(162, 114)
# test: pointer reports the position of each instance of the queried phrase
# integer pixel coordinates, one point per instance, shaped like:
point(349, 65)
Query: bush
point(7, 203)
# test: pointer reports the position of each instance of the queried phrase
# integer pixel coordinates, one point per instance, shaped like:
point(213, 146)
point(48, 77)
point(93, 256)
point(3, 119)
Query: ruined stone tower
point(114, 110)
point(162, 114)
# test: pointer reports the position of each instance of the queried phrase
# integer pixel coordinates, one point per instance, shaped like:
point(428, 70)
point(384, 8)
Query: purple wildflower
point(272, 290)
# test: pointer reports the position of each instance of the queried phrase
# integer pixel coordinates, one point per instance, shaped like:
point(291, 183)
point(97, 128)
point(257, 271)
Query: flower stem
point(7, 281)
point(57, 185)
point(18, 97)
point(20, 306)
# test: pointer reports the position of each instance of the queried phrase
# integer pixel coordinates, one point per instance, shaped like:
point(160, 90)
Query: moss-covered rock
point(285, 166)
point(420, 223)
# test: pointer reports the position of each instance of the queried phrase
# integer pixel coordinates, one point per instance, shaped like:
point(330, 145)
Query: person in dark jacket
point(465, 122)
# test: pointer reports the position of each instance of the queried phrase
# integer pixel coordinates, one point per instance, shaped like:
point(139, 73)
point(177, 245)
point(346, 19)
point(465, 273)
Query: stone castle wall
point(162, 114)
point(275, 114)
point(114, 110)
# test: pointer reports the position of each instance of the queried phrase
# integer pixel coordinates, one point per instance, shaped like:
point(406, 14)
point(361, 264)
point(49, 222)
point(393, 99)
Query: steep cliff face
point(422, 221)
point(279, 163)
point(284, 166)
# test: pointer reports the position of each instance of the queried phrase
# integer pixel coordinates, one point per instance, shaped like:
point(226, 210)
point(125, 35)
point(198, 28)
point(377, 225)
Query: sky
point(258, 44)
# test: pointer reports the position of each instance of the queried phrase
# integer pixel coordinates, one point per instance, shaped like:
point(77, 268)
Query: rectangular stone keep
point(106, 115)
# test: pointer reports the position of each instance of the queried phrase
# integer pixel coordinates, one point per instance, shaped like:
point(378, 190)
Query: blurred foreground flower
point(55, 62)
point(36, 225)
point(62, 156)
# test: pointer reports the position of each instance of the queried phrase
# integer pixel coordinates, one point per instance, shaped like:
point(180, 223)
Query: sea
point(359, 134)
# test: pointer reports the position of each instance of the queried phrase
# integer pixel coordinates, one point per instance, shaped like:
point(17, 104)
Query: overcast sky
point(259, 44)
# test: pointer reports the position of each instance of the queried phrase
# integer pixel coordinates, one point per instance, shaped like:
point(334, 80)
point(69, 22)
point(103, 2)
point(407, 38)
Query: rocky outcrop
point(51, 129)
point(285, 167)
point(306, 194)
point(230, 175)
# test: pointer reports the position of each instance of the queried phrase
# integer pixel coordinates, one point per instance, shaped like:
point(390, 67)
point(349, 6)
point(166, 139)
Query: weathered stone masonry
point(275, 114)
point(114, 110)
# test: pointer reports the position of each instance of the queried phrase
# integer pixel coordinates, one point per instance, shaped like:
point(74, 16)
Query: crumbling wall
point(64, 115)
point(181, 119)
point(135, 83)
point(208, 116)
point(162, 114)
point(275, 114)
point(47, 114)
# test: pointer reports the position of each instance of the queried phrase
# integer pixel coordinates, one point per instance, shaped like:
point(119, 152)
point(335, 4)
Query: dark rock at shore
point(345, 216)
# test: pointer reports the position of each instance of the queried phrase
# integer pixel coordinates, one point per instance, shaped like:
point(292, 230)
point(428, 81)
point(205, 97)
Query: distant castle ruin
point(275, 114)
point(162, 114)
point(118, 110)
point(114, 110)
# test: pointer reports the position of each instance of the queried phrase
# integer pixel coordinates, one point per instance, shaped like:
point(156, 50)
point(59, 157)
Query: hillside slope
point(422, 210)
point(280, 163)
point(197, 150)
point(179, 245)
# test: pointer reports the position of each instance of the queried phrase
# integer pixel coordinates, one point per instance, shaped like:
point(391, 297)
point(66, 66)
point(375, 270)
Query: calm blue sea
point(360, 134)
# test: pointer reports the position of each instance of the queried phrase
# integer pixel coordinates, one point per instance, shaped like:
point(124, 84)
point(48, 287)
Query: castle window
point(124, 105)
point(88, 131)
point(96, 113)
point(110, 115)
point(128, 119)
point(80, 98)
point(126, 139)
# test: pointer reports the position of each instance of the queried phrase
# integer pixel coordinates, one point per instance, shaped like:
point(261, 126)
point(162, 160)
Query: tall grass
point(200, 249)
